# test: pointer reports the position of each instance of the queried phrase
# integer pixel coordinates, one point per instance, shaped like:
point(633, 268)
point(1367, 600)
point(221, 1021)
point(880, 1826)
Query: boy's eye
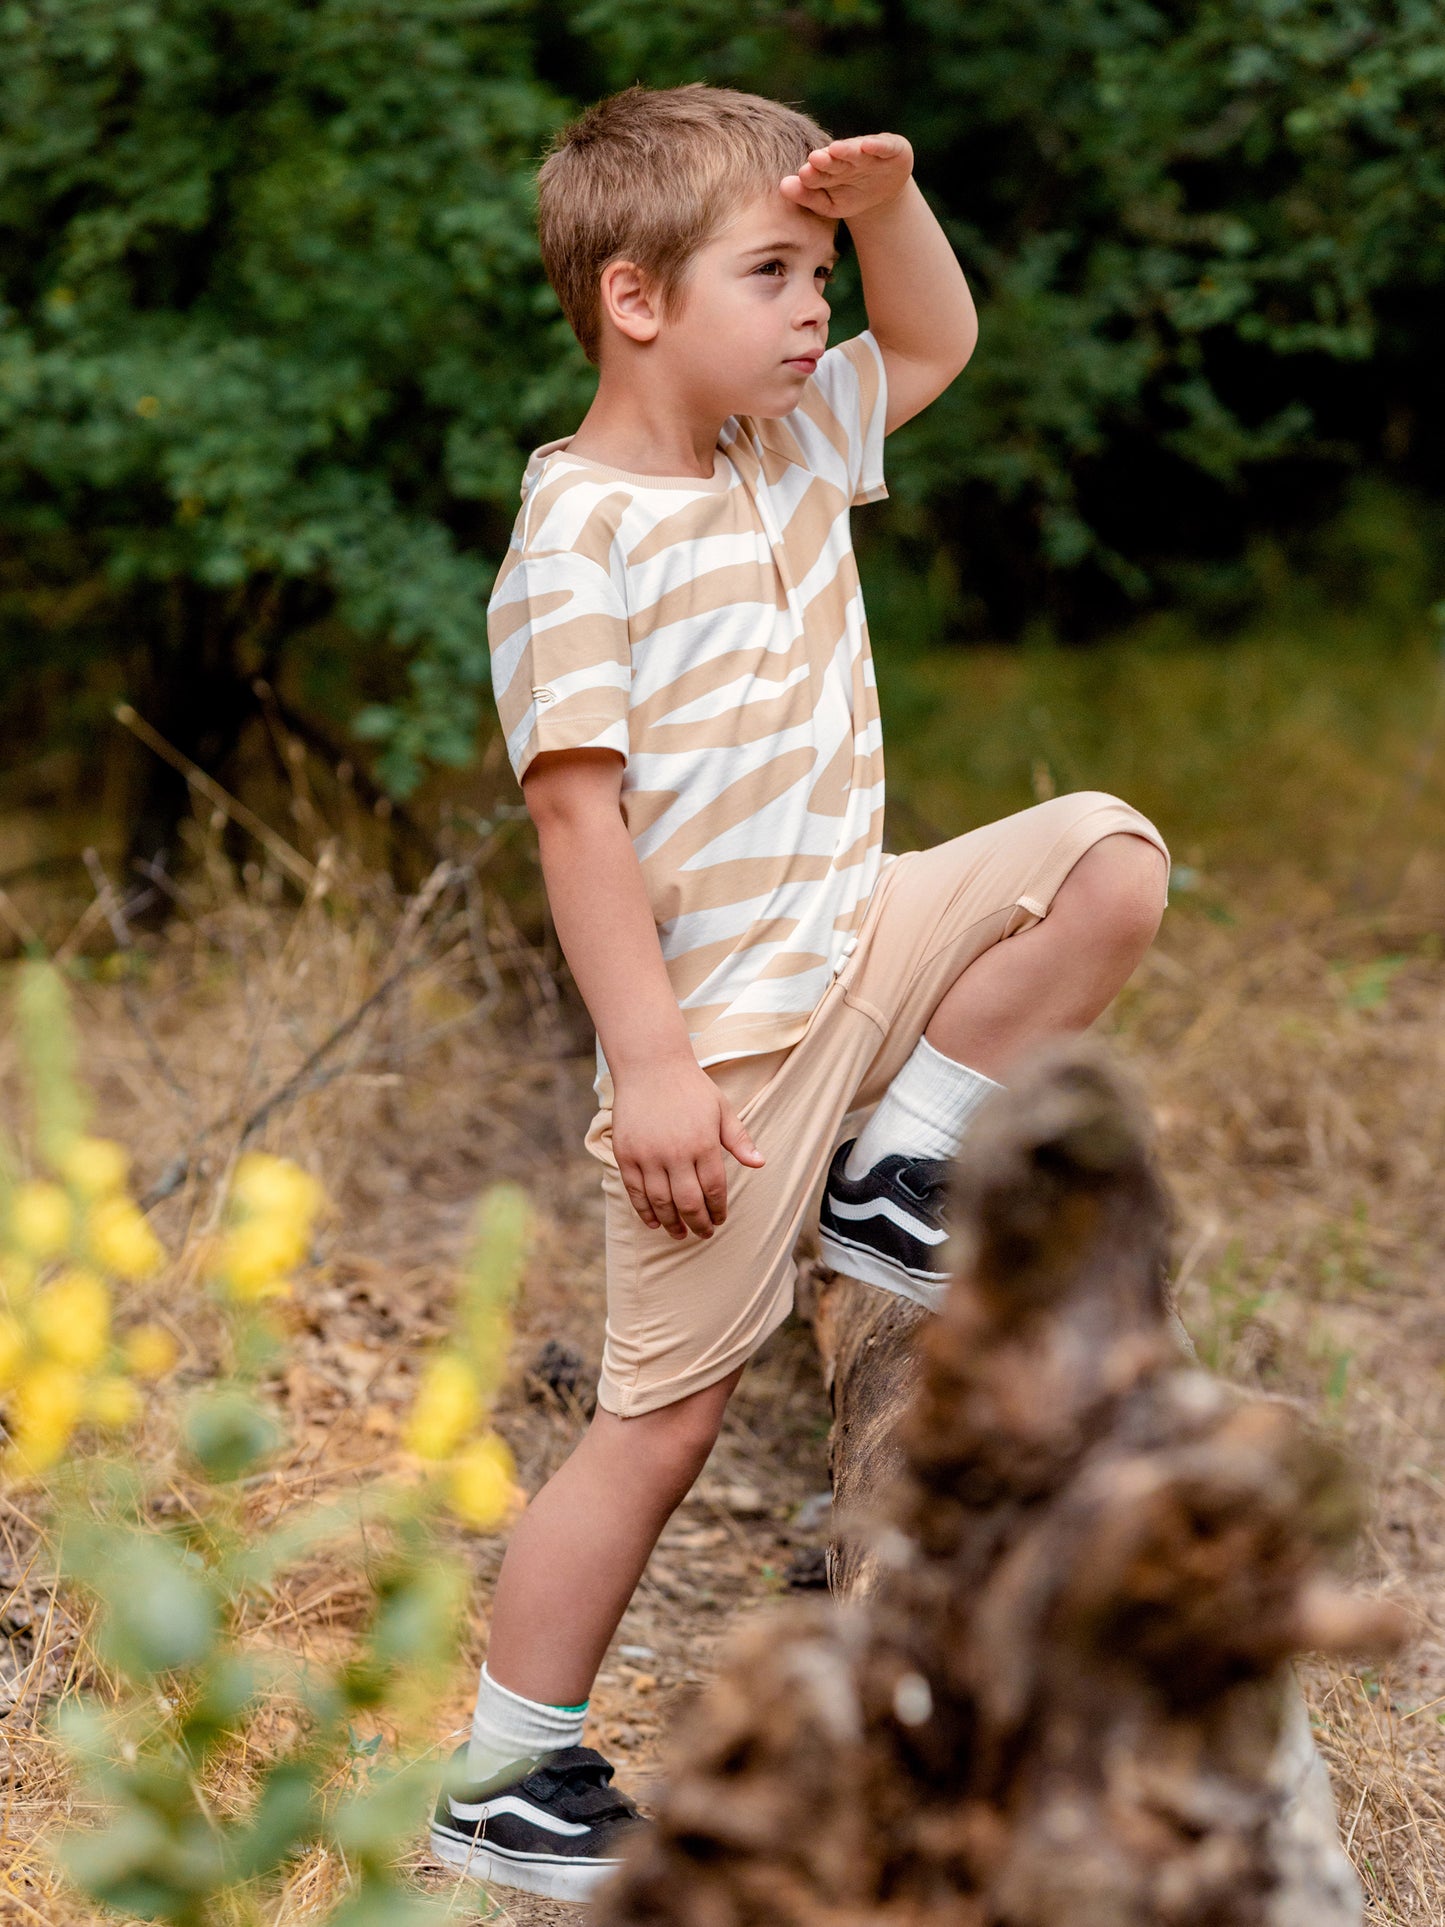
point(776, 268)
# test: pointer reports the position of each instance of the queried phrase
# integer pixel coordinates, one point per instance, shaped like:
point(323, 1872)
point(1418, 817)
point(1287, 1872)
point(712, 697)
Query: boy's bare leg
point(580, 1547)
point(1060, 975)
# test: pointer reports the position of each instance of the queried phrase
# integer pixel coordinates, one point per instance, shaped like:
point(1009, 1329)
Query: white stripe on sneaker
point(886, 1208)
point(520, 1809)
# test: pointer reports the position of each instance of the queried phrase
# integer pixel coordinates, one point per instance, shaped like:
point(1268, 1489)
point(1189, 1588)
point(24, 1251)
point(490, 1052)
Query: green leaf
point(372, 1826)
point(1367, 986)
point(228, 1433)
point(147, 1863)
point(284, 1818)
point(417, 1615)
point(48, 1043)
point(159, 1607)
point(228, 1691)
point(387, 1903)
point(501, 1238)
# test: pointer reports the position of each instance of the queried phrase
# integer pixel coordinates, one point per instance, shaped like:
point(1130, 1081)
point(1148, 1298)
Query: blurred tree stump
point(1055, 1688)
point(866, 1342)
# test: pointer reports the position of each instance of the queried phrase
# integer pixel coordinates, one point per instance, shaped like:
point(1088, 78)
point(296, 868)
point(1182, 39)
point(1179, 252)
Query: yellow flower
point(12, 1348)
point(273, 1203)
point(114, 1403)
point(149, 1351)
point(255, 1257)
point(94, 1166)
point(268, 1187)
point(17, 1277)
point(40, 1219)
point(45, 1410)
point(71, 1319)
point(121, 1241)
point(447, 1406)
point(481, 1482)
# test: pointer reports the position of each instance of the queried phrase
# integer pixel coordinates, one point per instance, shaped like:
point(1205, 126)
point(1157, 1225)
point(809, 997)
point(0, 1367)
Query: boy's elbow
point(963, 348)
point(947, 368)
point(953, 357)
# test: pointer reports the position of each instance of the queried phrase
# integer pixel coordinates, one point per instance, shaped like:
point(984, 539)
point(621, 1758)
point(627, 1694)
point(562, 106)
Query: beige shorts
point(683, 1314)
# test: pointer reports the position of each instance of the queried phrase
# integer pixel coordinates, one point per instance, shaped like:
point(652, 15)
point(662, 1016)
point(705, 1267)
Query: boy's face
point(753, 318)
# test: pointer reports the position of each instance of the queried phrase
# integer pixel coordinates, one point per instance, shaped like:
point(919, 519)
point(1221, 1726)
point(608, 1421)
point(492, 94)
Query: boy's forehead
point(772, 220)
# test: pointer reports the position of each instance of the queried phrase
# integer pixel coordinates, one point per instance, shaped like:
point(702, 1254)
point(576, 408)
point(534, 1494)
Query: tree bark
point(1056, 1690)
point(866, 1341)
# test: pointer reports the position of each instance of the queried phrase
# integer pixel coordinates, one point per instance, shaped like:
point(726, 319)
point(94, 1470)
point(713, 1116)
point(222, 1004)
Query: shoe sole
point(557, 1879)
point(863, 1263)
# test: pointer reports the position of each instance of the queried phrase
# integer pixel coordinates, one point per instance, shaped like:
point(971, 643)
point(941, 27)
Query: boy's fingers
point(688, 1199)
point(714, 1181)
point(632, 1183)
point(732, 1134)
point(659, 1196)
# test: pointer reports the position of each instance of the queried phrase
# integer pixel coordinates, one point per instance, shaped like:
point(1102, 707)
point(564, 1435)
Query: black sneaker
point(887, 1227)
point(557, 1831)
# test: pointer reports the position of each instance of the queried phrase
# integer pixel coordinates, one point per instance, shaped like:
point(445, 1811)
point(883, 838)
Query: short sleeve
point(848, 400)
point(561, 658)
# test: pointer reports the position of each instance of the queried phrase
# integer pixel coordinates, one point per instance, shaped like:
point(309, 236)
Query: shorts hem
point(638, 1399)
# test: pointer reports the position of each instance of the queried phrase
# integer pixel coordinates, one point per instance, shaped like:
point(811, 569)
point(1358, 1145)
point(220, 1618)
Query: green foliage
point(274, 336)
point(228, 1434)
point(205, 1808)
point(174, 1604)
point(273, 323)
point(1189, 228)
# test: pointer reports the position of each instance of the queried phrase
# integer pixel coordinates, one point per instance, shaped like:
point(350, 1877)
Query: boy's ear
point(628, 301)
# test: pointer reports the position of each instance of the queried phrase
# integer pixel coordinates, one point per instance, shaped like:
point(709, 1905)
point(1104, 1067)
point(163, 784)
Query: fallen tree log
point(1056, 1690)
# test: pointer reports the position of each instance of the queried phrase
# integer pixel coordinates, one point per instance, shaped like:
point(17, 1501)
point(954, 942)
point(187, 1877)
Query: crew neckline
point(706, 484)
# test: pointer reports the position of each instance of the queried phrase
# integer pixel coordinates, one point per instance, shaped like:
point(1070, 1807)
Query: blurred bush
point(217, 1757)
point(274, 336)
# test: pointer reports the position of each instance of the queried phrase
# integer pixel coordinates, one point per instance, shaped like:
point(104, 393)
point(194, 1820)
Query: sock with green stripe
point(510, 1734)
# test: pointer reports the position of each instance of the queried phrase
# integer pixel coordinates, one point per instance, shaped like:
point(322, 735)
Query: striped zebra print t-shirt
point(712, 633)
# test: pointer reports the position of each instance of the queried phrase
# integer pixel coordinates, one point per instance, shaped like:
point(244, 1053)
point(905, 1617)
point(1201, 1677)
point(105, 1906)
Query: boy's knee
point(680, 1437)
point(1120, 886)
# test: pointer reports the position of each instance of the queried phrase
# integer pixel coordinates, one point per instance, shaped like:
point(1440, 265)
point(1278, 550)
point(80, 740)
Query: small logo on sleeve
point(541, 697)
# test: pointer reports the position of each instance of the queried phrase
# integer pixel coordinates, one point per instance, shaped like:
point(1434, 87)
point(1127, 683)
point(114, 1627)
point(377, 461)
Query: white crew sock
point(509, 1731)
point(923, 1113)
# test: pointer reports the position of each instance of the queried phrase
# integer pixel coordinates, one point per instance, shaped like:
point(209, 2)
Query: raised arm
point(919, 306)
point(670, 1123)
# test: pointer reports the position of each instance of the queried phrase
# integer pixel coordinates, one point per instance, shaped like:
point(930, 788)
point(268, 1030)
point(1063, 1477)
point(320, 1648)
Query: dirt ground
point(1293, 1056)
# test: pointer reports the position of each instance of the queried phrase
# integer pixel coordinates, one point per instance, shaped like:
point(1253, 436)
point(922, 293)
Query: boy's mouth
point(805, 364)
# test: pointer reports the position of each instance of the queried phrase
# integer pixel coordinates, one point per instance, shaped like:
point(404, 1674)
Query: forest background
point(275, 338)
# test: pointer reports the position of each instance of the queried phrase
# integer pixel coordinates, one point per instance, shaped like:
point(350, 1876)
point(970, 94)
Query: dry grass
point(1294, 1057)
point(1296, 1070)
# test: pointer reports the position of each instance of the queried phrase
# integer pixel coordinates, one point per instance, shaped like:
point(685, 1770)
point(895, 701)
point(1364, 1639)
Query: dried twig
point(291, 861)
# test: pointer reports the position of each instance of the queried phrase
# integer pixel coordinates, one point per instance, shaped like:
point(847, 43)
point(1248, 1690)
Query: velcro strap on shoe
point(925, 1178)
point(582, 1776)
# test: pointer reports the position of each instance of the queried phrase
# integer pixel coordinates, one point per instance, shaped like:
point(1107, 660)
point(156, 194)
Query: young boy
point(682, 670)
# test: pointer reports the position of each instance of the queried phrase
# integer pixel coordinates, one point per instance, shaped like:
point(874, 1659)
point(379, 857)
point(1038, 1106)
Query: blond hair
point(651, 175)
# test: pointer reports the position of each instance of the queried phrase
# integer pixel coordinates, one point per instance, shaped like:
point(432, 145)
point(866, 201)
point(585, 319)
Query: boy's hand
point(670, 1127)
point(850, 177)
